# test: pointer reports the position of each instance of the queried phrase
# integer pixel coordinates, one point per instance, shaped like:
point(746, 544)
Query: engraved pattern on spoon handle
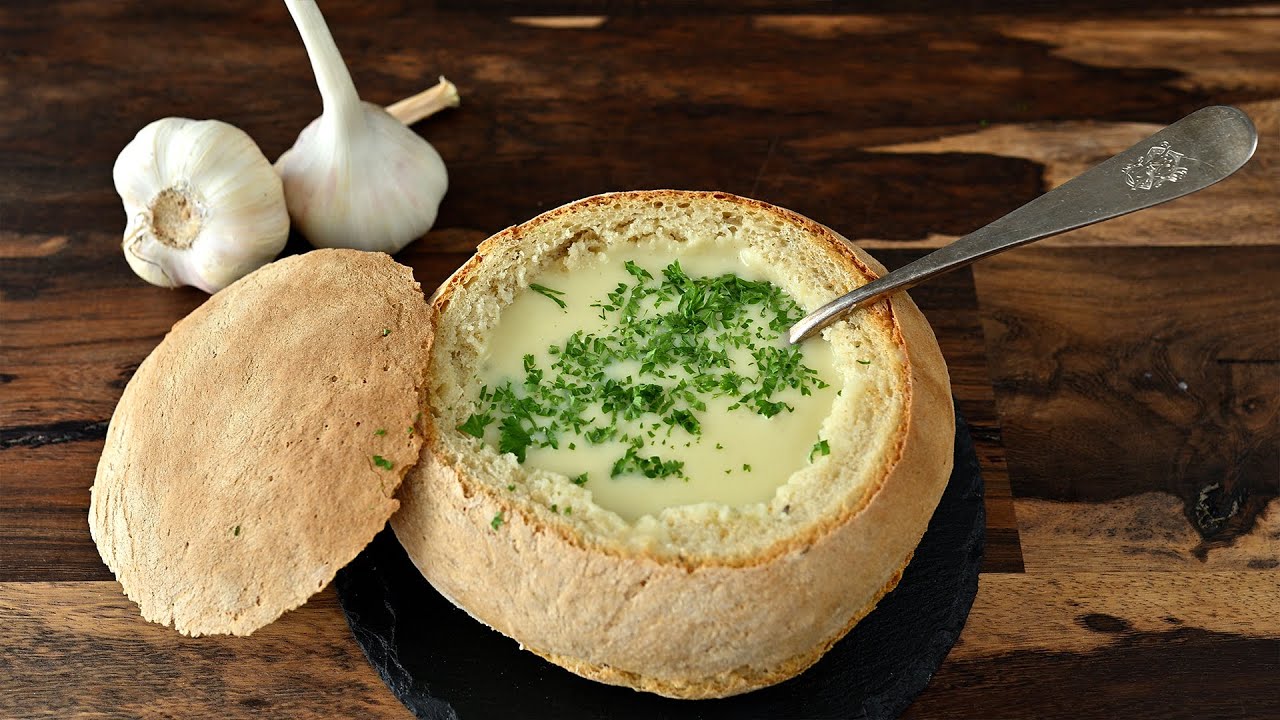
point(1189, 155)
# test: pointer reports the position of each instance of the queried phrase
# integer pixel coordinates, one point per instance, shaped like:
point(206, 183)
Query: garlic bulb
point(204, 205)
point(356, 177)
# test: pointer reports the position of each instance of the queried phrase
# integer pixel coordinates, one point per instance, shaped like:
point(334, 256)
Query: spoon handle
point(1189, 155)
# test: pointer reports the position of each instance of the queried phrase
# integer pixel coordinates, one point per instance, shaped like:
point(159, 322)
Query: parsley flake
point(547, 292)
point(382, 462)
point(475, 425)
point(514, 438)
point(651, 467)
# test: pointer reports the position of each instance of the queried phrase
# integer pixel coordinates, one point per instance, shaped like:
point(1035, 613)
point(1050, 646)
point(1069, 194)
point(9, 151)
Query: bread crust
point(685, 625)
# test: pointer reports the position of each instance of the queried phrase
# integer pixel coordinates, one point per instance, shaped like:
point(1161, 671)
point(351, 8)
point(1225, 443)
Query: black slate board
point(443, 664)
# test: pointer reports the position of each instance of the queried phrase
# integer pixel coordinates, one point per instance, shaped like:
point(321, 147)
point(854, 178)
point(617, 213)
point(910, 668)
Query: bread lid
point(258, 448)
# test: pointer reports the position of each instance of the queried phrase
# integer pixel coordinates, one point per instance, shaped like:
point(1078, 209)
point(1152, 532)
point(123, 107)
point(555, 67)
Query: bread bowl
point(699, 600)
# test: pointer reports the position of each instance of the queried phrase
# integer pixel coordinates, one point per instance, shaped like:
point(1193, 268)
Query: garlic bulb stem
point(336, 87)
point(441, 96)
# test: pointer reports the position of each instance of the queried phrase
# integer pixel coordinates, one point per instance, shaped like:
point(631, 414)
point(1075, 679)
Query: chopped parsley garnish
point(476, 424)
point(380, 432)
point(651, 467)
point(547, 292)
point(864, 362)
point(386, 332)
point(514, 439)
point(644, 382)
point(382, 462)
point(819, 448)
point(237, 531)
point(497, 521)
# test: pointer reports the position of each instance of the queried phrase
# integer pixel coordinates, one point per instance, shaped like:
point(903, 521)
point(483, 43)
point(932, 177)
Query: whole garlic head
point(204, 205)
point(356, 177)
point(375, 186)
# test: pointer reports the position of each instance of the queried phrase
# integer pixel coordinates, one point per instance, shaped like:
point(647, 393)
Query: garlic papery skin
point(356, 177)
point(204, 205)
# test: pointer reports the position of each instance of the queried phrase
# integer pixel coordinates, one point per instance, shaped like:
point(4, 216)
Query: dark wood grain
point(302, 666)
point(620, 105)
point(823, 8)
point(1113, 402)
point(901, 126)
point(1135, 672)
point(44, 502)
point(1102, 645)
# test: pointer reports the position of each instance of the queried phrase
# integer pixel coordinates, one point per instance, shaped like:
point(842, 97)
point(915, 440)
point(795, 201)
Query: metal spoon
point(1189, 155)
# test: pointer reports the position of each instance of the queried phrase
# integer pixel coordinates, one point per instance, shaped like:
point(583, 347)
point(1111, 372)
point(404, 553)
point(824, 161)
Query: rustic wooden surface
point(1123, 381)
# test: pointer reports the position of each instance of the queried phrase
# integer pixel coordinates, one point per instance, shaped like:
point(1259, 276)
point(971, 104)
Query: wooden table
point(1123, 381)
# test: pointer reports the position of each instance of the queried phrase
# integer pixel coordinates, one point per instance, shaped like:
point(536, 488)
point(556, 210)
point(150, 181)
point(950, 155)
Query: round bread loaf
point(700, 600)
point(258, 448)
